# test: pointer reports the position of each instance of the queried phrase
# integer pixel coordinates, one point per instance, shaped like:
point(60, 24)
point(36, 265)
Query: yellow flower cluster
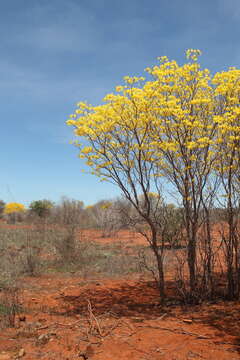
point(13, 207)
point(182, 116)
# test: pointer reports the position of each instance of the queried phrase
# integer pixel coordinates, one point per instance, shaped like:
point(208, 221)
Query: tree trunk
point(191, 264)
point(159, 259)
point(161, 282)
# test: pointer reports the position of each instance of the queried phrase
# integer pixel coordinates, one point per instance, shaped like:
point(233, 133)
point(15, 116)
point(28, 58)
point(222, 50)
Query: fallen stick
point(72, 324)
point(43, 327)
point(176, 331)
point(93, 317)
point(112, 328)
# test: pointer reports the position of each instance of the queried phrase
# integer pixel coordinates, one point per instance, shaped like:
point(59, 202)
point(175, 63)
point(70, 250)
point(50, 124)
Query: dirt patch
point(67, 316)
point(71, 318)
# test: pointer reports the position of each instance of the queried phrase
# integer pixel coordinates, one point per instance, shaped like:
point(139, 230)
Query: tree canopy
point(41, 207)
point(180, 124)
point(14, 207)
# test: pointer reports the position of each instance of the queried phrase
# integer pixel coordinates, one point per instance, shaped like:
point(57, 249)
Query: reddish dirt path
point(124, 322)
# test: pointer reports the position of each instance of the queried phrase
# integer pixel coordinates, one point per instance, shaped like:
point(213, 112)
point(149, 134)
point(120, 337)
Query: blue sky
point(55, 53)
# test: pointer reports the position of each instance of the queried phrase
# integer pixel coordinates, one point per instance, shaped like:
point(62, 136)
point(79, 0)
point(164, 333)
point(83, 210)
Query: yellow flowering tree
point(14, 207)
point(183, 135)
point(178, 126)
point(227, 120)
point(120, 150)
point(13, 210)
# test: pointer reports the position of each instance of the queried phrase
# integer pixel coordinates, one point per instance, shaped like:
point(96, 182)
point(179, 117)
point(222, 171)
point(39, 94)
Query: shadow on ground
point(141, 300)
point(128, 299)
point(224, 318)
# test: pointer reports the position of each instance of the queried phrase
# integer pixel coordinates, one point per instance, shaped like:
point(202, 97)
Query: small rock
point(21, 353)
point(43, 339)
point(158, 350)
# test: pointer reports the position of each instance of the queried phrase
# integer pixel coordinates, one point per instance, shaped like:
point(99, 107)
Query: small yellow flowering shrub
point(14, 207)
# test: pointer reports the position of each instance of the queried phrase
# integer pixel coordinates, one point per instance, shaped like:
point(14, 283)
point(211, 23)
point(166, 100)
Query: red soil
point(114, 320)
point(68, 317)
point(126, 237)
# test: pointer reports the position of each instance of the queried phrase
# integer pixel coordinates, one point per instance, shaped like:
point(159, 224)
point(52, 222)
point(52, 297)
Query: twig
point(162, 316)
point(72, 324)
point(93, 318)
point(43, 327)
point(177, 331)
point(112, 328)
